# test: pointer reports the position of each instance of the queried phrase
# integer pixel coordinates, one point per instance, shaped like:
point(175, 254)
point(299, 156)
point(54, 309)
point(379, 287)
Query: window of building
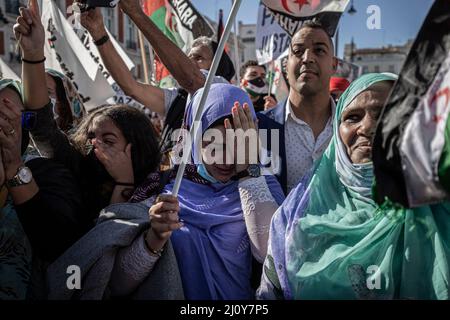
point(376, 69)
point(365, 69)
point(12, 7)
point(392, 68)
point(109, 19)
point(2, 43)
point(130, 35)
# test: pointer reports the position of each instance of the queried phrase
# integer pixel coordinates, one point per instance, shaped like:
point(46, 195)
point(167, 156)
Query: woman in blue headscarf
point(220, 229)
point(220, 218)
point(330, 240)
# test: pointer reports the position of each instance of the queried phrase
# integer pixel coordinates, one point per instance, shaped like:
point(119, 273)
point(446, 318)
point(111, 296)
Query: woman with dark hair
point(112, 150)
point(68, 108)
point(199, 245)
point(189, 70)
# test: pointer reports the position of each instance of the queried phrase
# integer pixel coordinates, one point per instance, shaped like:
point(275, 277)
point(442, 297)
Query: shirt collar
point(299, 121)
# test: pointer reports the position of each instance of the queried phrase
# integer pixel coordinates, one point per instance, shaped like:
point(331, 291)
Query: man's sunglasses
point(29, 120)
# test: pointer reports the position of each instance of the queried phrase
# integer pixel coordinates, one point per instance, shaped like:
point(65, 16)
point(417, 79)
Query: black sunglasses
point(29, 120)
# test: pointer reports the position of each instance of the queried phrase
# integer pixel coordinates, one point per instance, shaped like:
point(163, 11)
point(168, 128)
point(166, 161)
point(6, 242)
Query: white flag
point(6, 72)
point(271, 39)
point(65, 53)
point(291, 14)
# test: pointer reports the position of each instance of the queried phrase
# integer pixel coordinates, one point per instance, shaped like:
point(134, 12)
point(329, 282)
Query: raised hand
point(29, 31)
point(10, 137)
point(130, 6)
point(92, 20)
point(244, 125)
point(117, 162)
point(164, 220)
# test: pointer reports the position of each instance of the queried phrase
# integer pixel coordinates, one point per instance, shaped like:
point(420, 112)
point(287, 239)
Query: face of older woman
point(359, 119)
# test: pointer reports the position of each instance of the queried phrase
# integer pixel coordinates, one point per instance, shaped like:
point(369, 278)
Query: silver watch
point(23, 176)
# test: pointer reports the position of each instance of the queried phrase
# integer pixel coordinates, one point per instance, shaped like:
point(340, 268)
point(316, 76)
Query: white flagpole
point(143, 56)
point(188, 148)
point(236, 53)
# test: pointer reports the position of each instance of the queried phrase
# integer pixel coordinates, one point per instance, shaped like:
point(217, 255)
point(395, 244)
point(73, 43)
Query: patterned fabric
point(15, 256)
point(302, 149)
point(330, 240)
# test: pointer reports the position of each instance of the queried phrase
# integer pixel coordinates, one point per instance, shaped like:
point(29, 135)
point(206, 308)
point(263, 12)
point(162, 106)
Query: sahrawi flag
point(180, 22)
point(291, 14)
point(65, 53)
point(411, 151)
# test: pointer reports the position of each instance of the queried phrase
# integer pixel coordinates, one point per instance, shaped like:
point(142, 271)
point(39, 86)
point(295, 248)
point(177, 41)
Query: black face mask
point(94, 168)
point(258, 82)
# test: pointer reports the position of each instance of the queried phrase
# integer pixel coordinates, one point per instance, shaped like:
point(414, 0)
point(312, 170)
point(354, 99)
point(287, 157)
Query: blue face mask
point(201, 170)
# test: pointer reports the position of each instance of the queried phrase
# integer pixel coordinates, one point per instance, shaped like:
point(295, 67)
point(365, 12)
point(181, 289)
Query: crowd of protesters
point(94, 189)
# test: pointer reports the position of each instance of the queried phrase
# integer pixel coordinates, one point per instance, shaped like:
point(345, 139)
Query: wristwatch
point(253, 170)
point(22, 177)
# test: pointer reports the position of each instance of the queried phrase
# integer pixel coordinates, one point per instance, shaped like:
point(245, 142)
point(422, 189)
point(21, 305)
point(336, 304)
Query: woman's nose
point(367, 127)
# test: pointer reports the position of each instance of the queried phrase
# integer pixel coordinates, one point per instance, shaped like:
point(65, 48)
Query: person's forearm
point(148, 95)
point(184, 70)
point(33, 80)
point(132, 266)
point(258, 206)
point(23, 193)
point(114, 63)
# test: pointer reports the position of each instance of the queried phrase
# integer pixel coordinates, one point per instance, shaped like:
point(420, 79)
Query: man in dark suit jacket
point(304, 120)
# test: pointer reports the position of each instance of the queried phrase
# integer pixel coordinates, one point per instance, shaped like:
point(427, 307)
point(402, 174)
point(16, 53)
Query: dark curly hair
point(249, 63)
point(137, 129)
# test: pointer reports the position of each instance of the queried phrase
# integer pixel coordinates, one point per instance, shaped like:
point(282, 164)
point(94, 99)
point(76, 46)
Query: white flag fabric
point(291, 14)
point(65, 53)
point(280, 87)
point(271, 39)
point(88, 43)
point(6, 72)
point(347, 70)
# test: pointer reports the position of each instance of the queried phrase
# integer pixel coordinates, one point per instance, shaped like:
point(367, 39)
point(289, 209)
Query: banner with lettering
point(291, 14)
point(271, 39)
point(66, 53)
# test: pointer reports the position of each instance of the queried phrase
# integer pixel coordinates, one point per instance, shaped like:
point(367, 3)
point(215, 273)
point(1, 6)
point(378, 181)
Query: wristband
point(102, 40)
point(33, 62)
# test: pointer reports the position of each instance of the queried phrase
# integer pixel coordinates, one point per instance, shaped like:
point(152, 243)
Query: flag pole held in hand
point(188, 148)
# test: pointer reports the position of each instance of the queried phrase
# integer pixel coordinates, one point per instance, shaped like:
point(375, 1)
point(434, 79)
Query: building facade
point(384, 59)
point(247, 33)
point(120, 26)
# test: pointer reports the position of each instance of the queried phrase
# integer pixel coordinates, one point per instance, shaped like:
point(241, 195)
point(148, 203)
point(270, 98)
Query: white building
point(384, 59)
point(123, 29)
point(9, 10)
point(247, 33)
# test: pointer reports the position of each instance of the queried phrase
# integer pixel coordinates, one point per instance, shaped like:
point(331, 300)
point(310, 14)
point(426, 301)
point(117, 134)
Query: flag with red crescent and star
point(411, 149)
point(290, 14)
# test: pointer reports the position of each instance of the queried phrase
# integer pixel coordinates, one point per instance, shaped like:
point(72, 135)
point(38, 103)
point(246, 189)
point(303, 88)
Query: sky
point(400, 20)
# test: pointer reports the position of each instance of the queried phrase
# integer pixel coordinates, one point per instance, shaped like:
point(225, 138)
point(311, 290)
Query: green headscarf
point(13, 84)
point(73, 98)
point(330, 240)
